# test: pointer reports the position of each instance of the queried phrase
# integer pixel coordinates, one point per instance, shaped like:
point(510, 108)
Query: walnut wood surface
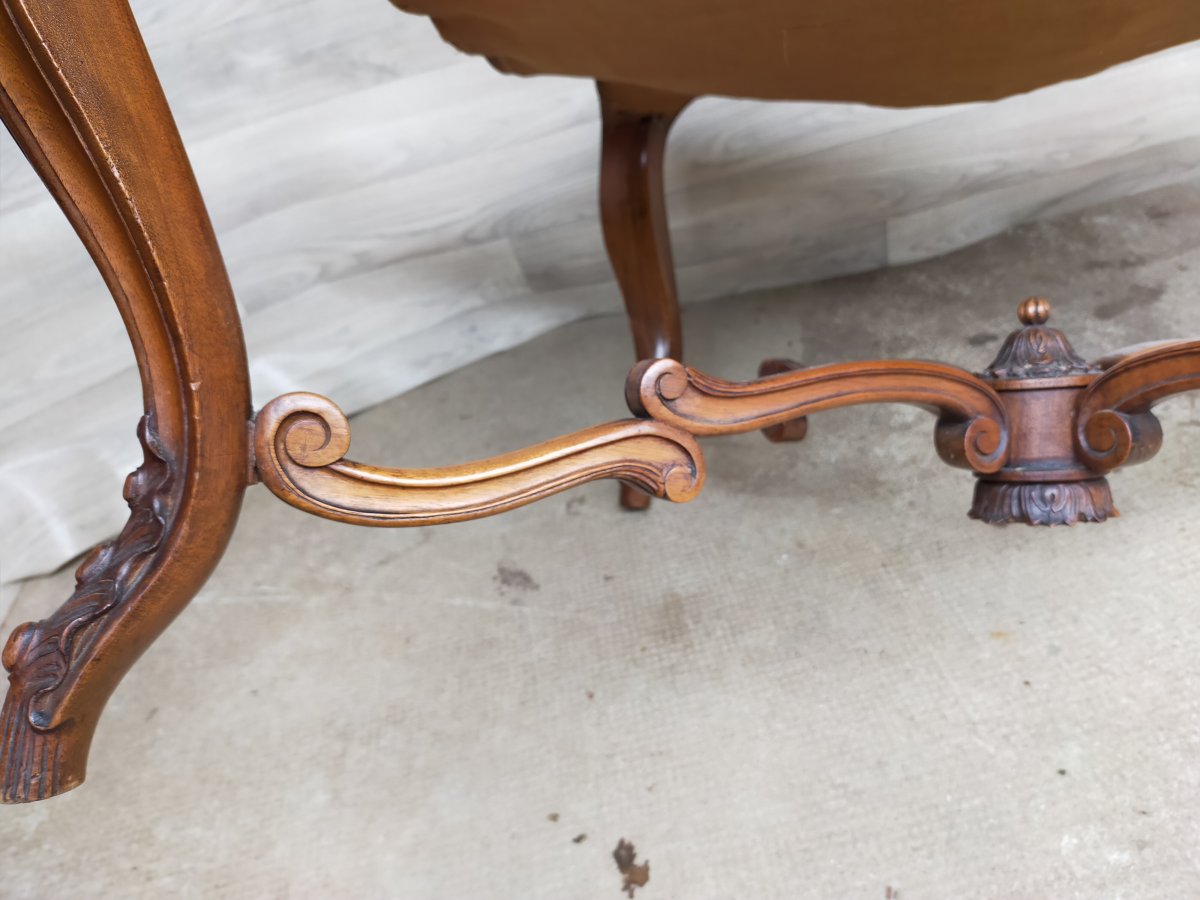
point(792, 430)
point(79, 94)
point(633, 215)
point(1042, 503)
point(1114, 424)
point(301, 441)
point(973, 429)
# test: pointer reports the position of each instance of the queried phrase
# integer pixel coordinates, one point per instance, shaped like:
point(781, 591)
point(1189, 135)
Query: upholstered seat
point(884, 52)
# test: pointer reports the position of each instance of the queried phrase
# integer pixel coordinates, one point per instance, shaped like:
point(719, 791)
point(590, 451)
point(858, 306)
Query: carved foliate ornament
point(40, 656)
point(1037, 350)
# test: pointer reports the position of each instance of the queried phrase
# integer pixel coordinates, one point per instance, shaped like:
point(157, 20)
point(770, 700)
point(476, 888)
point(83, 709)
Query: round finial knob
point(1034, 311)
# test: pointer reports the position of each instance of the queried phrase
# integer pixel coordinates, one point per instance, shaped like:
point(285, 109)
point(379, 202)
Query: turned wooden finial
point(1035, 350)
point(1034, 311)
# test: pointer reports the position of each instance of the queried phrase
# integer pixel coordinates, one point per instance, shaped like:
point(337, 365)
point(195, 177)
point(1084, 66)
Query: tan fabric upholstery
point(883, 52)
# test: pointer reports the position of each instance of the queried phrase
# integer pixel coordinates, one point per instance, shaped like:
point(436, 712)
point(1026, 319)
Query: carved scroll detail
point(972, 429)
point(1115, 426)
point(40, 655)
point(301, 441)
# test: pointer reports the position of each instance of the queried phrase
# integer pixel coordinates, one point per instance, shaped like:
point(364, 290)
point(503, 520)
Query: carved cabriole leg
point(633, 214)
point(79, 94)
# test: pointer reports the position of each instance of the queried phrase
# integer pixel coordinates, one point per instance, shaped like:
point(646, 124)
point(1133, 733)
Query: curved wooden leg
point(633, 213)
point(79, 94)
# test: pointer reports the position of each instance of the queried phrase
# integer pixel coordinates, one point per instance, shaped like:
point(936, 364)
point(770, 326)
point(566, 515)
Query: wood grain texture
point(634, 125)
point(79, 94)
point(973, 427)
point(301, 441)
point(633, 213)
point(1114, 423)
point(1040, 426)
point(447, 212)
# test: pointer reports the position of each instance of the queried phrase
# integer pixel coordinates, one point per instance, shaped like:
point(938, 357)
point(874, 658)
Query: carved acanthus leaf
point(40, 655)
point(1036, 503)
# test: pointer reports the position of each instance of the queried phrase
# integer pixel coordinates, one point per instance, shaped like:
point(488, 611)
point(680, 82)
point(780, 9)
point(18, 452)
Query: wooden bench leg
point(633, 214)
point(79, 94)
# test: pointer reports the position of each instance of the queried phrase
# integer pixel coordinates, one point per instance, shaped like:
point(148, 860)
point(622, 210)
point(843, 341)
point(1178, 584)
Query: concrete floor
point(819, 680)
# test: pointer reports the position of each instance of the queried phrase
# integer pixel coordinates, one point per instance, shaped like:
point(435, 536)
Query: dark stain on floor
point(983, 339)
point(1138, 296)
point(512, 578)
point(636, 874)
point(1121, 264)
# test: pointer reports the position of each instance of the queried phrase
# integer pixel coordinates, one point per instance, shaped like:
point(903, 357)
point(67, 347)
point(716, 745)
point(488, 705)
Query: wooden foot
point(634, 499)
point(301, 441)
point(1042, 503)
point(633, 214)
point(792, 430)
point(80, 97)
point(1040, 426)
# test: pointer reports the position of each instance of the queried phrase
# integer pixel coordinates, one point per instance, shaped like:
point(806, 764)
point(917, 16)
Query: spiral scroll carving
point(314, 431)
point(1105, 440)
point(1115, 425)
point(973, 429)
point(301, 441)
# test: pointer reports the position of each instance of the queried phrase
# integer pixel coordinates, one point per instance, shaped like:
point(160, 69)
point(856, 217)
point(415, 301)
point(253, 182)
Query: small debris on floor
point(1062, 771)
point(579, 839)
point(636, 874)
point(553, 817)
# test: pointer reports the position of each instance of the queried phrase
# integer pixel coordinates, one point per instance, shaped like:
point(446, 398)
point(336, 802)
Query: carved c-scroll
point(1114, 425)
point(972, 427)
point(301, 440)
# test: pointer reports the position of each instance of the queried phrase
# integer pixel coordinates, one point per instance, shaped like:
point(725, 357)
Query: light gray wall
point(391, 209)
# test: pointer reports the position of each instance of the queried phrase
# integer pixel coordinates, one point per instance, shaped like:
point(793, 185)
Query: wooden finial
point(1034, 311)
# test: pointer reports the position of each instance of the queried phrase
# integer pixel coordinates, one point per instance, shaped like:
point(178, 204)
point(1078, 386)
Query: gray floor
point(819, 680)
